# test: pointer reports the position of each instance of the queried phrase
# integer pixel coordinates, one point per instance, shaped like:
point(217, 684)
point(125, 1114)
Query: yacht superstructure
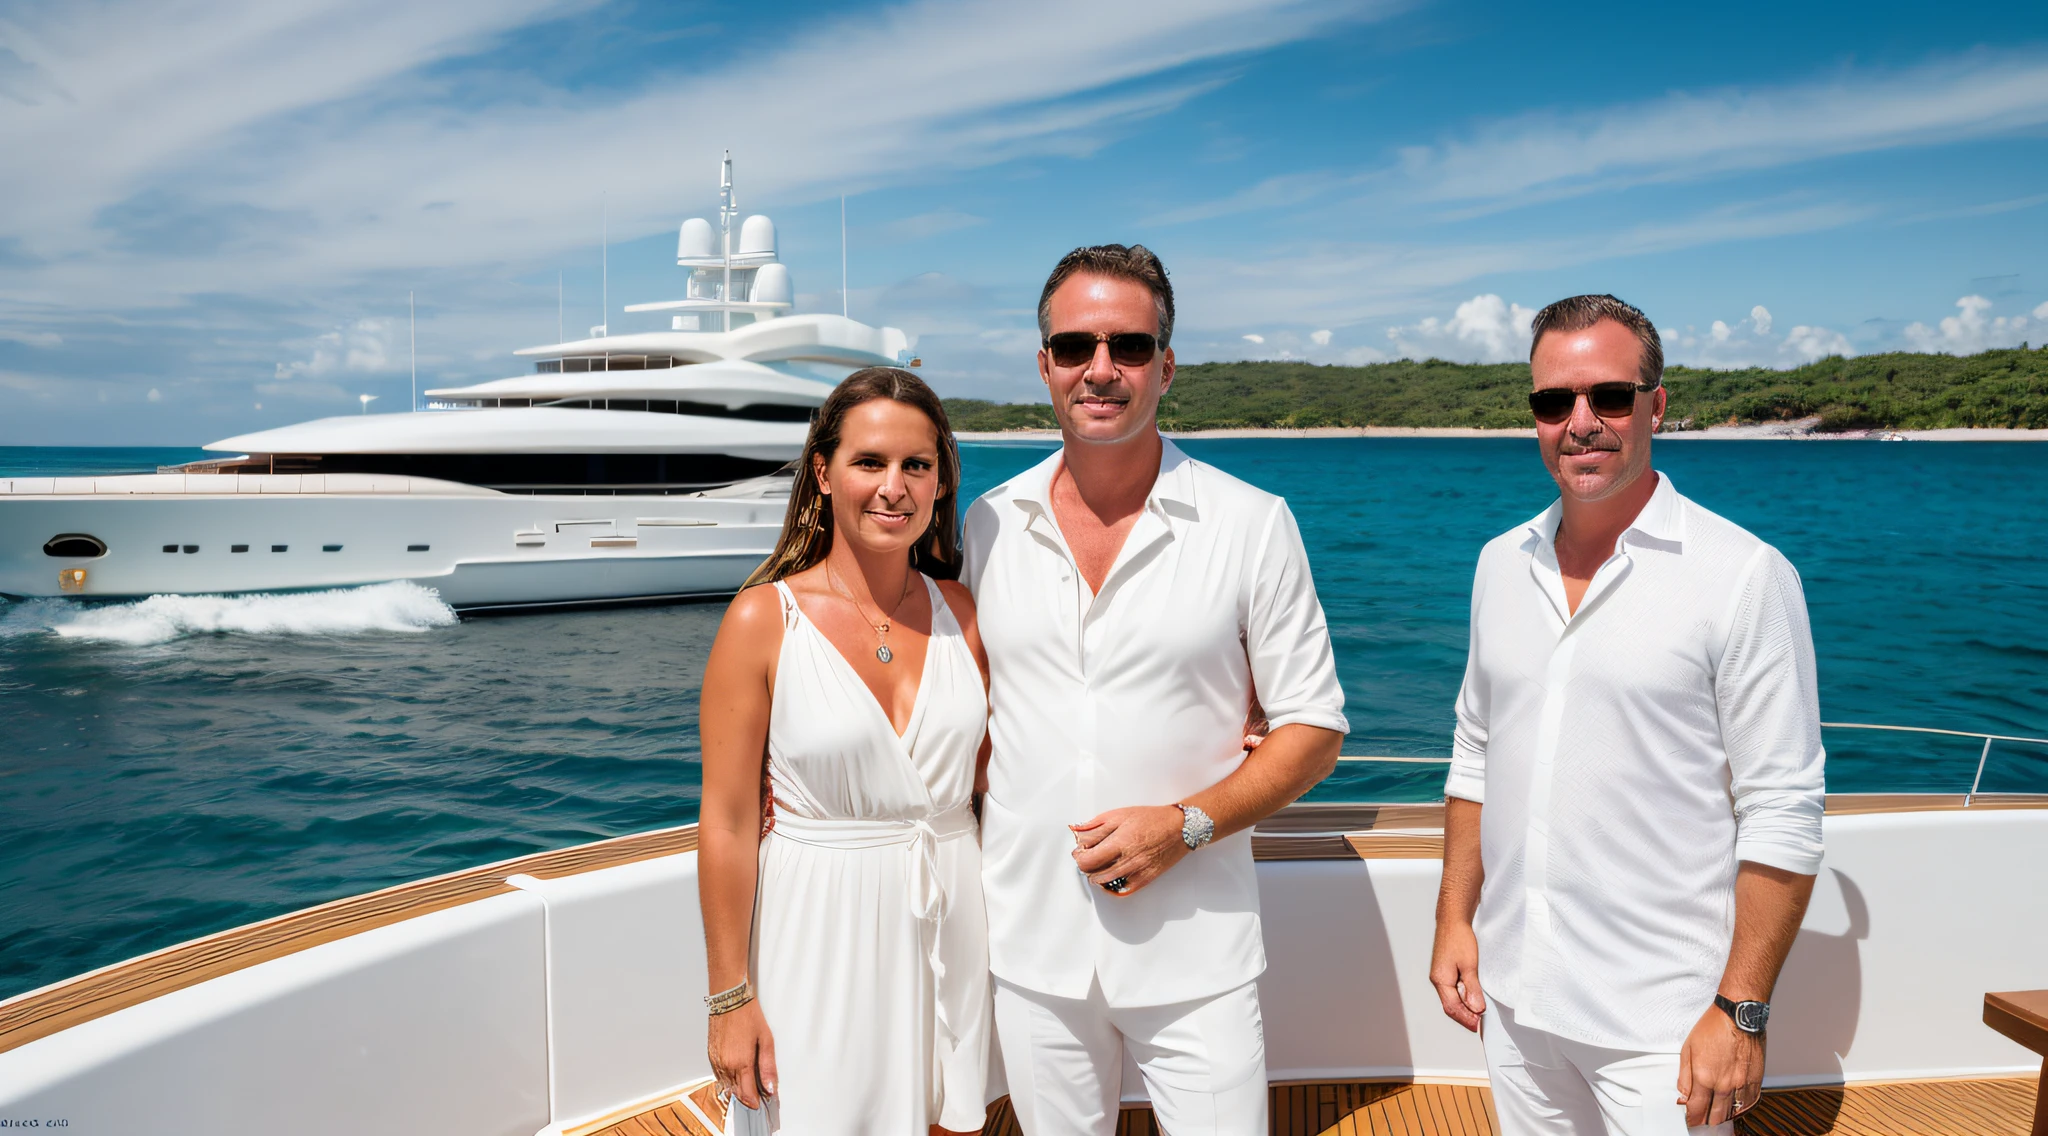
point(634, 466)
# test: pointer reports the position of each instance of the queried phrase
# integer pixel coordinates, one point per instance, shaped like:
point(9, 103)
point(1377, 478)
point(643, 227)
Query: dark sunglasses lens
point(1071, 348)
point(1613, 400)
point(1552, 405)
point(1131, 348)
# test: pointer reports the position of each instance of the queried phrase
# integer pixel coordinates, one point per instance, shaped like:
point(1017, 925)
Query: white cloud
point(1320, 338)
point(1549, 155)
point(32, 338)
point(1484, 329)
point(1254, 339)
point(1760, 318)
point(155, 395)
point(1969, 332)
point(1805, 344)
point(180, 133)
point(362, 347)
point(1333, 282)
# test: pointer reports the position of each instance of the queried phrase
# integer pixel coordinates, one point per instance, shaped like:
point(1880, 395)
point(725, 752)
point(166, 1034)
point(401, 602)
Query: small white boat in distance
point(627, 467)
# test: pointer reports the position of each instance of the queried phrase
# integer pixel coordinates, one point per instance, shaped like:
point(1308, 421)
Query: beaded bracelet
point(726, 1001)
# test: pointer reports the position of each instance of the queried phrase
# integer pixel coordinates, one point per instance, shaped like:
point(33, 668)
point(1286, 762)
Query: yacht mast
point(727, 209)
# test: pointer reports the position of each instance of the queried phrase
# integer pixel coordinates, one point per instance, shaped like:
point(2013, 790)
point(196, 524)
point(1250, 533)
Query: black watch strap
point(1749, 1017)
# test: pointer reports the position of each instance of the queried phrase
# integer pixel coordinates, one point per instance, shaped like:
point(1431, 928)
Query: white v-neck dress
point(870, 951)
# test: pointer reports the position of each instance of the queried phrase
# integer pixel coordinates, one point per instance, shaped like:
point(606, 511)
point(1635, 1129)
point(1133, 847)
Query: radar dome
point(757, 237)
point(772, 286)
point(696, 241)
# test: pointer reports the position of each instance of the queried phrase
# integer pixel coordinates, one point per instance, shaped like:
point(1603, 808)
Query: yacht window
point(626, 404)
point(170, 548)
point(191, 548)
point(662, 405)
point(238, 548)
point(74, 544)
point(330, 548)
point(415, 548)
point(280, 547)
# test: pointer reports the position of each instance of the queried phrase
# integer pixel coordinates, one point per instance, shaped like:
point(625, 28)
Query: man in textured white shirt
point(1131, 599)
point(1634, 804)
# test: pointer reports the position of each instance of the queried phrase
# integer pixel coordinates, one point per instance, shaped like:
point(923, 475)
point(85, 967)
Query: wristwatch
point(1196, 829)
point(1749, 1016)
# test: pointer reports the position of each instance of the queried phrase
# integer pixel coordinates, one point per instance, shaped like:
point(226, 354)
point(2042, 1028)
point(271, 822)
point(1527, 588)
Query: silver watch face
point(1750, 1017)
point(1196, 829)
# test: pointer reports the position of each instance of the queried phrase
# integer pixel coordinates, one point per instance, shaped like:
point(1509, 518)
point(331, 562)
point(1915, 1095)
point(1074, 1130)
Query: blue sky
point(215, 211)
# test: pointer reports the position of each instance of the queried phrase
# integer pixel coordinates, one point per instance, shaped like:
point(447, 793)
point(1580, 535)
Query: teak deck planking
point(1989, 1107)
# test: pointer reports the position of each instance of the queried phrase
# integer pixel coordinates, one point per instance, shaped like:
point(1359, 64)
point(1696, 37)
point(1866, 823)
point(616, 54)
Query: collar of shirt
point(1660, 525)
point(1172, 500)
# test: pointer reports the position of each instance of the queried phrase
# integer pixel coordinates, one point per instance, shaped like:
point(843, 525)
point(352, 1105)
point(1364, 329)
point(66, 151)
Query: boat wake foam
point(397, 606)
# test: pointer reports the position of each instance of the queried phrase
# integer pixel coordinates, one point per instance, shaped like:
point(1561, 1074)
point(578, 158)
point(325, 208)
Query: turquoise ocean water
point(157, 784)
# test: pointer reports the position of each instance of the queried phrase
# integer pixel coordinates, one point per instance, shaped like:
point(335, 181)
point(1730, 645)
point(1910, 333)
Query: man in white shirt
point(1131, 598)
point(1633, 820)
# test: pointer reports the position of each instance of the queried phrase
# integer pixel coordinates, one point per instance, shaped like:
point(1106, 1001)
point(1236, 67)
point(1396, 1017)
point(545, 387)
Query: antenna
point(413, 319)
point(605, 273)
point(560, 335)
point(842, 254)
point(727, 208)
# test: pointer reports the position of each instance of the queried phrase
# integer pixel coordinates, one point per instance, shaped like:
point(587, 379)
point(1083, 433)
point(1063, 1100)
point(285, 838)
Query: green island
point(1899, 391)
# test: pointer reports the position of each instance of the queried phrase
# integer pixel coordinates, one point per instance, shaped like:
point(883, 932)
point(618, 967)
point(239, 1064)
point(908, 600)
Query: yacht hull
point(476, 548)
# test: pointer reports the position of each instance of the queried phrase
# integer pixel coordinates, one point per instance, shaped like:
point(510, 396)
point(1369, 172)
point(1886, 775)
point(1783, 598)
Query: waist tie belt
point(920, 840)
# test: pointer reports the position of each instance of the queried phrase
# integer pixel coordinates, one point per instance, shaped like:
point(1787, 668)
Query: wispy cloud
point(1549, 155)
point(1327, 282)
point(179, 135)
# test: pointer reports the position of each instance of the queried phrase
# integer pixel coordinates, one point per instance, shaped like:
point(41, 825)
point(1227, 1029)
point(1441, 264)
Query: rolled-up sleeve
point(1287, 639)
point(1467, 778)
point(1769, 700)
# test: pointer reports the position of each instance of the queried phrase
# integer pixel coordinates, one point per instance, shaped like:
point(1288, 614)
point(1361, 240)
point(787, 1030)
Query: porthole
point(77, 545)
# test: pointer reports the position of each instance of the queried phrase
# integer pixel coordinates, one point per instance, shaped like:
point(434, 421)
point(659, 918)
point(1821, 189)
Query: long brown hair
point(807, 524)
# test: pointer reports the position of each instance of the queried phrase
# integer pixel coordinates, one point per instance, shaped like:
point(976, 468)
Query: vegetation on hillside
point(1899, 391)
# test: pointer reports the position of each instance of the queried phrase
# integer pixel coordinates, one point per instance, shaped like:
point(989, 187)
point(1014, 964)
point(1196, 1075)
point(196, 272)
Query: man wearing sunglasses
point(1130, 599)
point(1636, 774)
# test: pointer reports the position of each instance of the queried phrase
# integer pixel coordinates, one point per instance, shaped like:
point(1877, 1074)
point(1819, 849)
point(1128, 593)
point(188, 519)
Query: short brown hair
point(807, 523)
point(1134, 263)
point(1577, 313)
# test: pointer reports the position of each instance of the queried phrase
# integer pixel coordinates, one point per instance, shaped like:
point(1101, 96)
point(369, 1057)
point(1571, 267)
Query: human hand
point(1136, 845)
point(1454, 971)
point(742, 1053)
point(1720, 1070)
point(1255, 725)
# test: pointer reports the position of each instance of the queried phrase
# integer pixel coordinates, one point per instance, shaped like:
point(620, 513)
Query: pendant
point(883, 653)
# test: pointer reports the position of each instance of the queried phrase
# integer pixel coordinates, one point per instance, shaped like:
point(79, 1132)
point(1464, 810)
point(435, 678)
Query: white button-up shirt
point(1135, 696)
point(1628, 757)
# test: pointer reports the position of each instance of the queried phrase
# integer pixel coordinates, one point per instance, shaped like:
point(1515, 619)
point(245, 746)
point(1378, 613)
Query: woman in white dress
point(846, 701)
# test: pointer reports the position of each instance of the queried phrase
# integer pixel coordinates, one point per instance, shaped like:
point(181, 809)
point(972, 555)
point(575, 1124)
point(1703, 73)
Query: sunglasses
point(1126, 348)
point(1552, 405)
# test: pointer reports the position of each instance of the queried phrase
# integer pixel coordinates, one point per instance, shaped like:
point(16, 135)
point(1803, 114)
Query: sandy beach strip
point(1777, 431)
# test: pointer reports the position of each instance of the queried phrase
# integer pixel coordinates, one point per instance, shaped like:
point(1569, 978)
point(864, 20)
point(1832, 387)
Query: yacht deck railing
point(1976, 783)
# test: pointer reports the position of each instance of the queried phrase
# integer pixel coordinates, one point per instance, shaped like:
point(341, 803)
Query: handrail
point(1975, 782)
point(1983, 755)
point(1932, 730)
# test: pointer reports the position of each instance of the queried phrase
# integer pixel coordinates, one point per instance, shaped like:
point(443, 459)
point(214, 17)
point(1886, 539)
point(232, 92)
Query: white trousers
point(1204, 1062)
point(1546, 1085)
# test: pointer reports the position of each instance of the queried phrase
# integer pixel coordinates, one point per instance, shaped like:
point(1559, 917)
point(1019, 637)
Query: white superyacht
point(627, 467)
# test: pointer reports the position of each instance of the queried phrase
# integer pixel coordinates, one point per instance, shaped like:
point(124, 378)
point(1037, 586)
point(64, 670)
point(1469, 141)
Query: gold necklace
point(882, 628)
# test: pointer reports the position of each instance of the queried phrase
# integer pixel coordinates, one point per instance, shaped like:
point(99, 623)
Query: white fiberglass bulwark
point(529, 1013)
